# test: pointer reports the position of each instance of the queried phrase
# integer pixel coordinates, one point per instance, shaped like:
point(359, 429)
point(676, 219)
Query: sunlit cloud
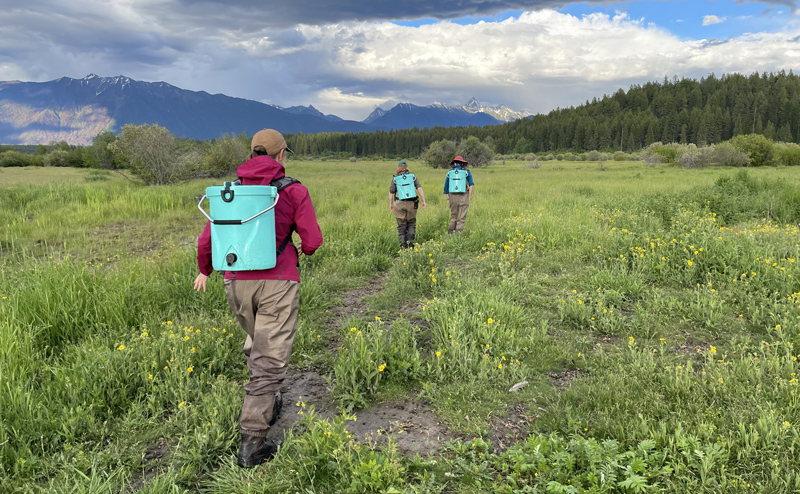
point(712, 19)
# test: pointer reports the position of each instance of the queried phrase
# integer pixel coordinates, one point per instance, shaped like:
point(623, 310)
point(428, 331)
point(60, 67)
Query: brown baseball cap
point(271, 140)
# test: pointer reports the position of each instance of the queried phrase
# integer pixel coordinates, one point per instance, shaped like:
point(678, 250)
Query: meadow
point(654, 312)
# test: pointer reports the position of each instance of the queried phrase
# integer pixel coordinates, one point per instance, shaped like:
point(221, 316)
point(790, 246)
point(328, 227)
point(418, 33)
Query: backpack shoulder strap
point(283, 182)
point(280, 184)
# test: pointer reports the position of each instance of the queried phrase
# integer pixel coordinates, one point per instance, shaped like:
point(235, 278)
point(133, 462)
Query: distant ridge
point(76, 110)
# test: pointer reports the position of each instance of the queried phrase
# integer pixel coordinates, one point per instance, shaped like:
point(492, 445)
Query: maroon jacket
point(294, 208)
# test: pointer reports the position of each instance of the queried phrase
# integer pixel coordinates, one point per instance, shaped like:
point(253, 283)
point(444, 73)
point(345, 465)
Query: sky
point(351, 56)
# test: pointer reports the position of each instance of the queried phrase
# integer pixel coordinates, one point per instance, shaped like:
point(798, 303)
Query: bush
point(620, 156)
point(787, 154)
point(151, 152)
point(726, 154)
point(439, 154)
point(757, 147)
point(593, 156)
point(666, 152)
point(475, 152)
point(99, 154)
point(14, 158)
point(223, 155)
point(690, 156)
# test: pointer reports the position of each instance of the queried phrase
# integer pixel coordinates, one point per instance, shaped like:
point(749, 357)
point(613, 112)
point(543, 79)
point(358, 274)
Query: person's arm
point(471, 184)
point(392, 192)
point(469, 196)
point(305, 220)
point(204, 258)
point(421, 196)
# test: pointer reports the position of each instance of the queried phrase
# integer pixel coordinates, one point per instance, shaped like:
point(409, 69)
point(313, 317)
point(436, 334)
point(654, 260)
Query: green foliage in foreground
point(653, 311)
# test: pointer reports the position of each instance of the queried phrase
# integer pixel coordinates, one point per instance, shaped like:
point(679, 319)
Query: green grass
point(666, 298)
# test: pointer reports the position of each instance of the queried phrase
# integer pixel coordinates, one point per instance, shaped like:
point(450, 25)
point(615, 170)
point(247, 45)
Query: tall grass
point(653, 311)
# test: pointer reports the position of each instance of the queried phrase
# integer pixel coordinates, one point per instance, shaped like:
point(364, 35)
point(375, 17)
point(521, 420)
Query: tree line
point(684, 111)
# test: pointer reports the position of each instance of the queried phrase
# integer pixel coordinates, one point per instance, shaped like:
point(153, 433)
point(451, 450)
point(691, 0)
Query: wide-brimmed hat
point(459, 159)
point(271, 140)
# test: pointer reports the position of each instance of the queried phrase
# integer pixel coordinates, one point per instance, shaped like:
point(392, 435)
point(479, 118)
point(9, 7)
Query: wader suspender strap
point(280, 184)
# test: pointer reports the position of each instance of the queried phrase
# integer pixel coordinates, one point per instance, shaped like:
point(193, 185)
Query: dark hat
point(459, 159)
point(271, 140)
point(403, 163)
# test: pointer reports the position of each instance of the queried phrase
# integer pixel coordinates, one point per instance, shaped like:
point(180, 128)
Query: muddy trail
point(409, 419)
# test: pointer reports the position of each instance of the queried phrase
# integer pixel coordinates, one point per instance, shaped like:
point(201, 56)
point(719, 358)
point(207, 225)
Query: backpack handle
point(234, 222)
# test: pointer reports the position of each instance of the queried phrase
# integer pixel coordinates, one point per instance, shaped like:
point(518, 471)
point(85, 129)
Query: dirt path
point(409, 420)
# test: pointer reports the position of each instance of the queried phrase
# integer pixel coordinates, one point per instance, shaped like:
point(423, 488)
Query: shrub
point(666, 153)
point(726, 154)
point(690, 156)
point(475, 152)
point(151, 152)
point(439, 153)
point(593, 156)
point(757, 147)
point(15, 158)
point(787, 154)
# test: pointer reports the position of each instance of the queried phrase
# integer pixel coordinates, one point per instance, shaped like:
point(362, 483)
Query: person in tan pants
point(266, 302)
point(403, 203)
point(458, 187)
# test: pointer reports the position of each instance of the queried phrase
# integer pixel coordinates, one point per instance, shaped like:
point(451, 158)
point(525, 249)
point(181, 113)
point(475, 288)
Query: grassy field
point(653, 311)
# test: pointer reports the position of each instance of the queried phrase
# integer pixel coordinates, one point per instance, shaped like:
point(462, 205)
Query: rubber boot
point(276, 409)
point(402, 237)
point(255, 450)
point(411, 233)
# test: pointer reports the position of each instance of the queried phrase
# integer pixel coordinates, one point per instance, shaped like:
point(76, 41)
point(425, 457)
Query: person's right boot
point(254, 450)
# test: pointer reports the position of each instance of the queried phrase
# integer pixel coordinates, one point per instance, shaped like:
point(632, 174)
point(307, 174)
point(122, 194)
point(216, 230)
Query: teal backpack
point(243, 225)
point(457, 181)
point(405, 186)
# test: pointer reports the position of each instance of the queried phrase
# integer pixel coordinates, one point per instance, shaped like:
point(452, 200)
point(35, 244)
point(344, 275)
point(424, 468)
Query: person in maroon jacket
point(266, 302)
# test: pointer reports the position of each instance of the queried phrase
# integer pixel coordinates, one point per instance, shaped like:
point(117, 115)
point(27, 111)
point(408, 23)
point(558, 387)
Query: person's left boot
point(411, 233)
point(276, 408)
point(255, 450)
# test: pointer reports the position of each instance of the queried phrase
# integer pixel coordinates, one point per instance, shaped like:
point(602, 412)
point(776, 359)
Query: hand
point(391, 207)
point(200, 282)
point(423, 204)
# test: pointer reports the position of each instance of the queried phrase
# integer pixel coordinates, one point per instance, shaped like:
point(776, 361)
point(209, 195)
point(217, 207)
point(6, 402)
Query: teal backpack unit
point(242, 226)
point(457, 181)
point(405, 186)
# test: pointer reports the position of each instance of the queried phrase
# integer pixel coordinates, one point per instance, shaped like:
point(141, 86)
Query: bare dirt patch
point(561, 380)
point(515, 427)
point(408, 420)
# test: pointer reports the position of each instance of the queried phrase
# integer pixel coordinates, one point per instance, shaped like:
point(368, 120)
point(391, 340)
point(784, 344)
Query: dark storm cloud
point(254, 14)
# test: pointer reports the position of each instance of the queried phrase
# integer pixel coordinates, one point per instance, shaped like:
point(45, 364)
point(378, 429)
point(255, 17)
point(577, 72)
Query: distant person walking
point(267, 302)
point(405, 193)
point(458, 188)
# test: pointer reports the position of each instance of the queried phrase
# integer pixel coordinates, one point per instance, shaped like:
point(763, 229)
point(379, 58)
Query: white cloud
point(712, 19)
point(536, 62)
point(539, 61)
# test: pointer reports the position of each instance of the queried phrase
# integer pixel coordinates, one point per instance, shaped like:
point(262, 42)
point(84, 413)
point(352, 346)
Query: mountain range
point(76, 110)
